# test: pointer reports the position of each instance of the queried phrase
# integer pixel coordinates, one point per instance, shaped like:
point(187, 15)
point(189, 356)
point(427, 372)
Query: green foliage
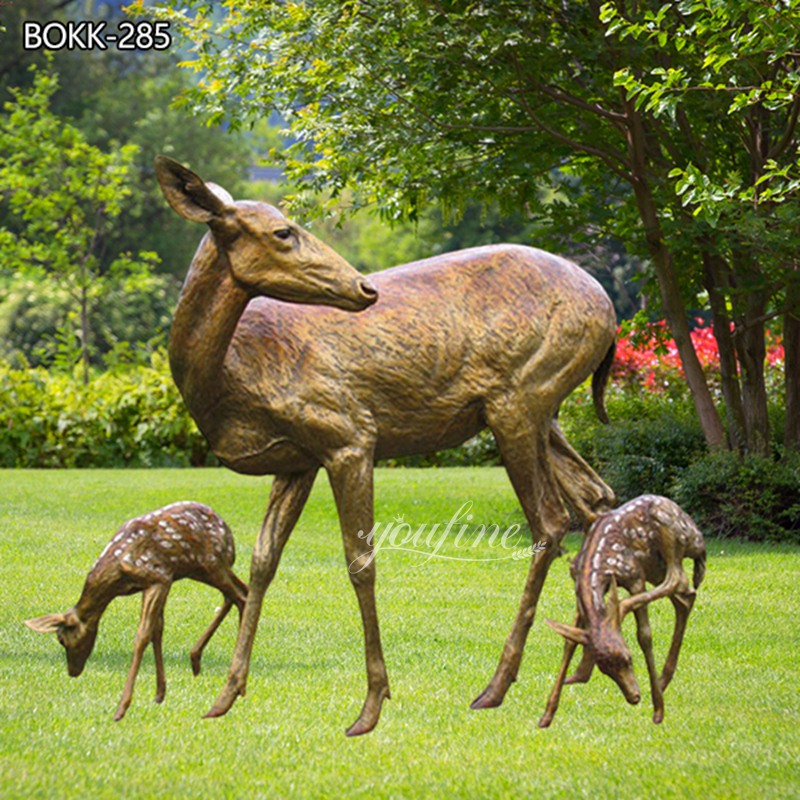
point(63, 194)
point(131, 416)
point(650, 442)
point(37, 321)
point(754, 497)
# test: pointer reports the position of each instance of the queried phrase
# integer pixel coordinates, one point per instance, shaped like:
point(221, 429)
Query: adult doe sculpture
point(495, 336)
point(644, 540)
point(147, 554)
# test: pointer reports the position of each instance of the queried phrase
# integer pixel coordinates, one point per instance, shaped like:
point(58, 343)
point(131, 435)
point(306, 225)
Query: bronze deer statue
point(494, 336)
point(644, 540)
point(147, 554)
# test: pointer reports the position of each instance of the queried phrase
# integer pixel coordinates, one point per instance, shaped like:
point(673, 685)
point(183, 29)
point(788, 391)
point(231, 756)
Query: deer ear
point(577, 635)
point(188, 194)
point(49, 623)
point(220, 193)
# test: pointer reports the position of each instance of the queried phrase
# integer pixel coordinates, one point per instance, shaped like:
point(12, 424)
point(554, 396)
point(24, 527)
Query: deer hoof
point(226, 698)
point(488, 698)
point(195, 658)
point(658, 716)
point(370, 713)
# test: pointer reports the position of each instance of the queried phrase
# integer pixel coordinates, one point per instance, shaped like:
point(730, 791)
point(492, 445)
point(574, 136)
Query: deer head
point(76, 636)
point(605, 643)
point(266, 253)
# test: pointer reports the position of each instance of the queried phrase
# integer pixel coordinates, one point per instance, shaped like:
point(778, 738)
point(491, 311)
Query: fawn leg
point(645, 638)
point(350, 473)
point(674, 580)
point(153, 599)
point(196, 653)
point(161, 680)
point(682, 603)
point(235, 592)
point(555, 695)
point(523, 442)
point(287, 498)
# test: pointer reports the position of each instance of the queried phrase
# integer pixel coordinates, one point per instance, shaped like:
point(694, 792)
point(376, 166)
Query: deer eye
point(283, 233)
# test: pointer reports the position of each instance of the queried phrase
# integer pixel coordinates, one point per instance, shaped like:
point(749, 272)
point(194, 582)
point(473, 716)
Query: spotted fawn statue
point(645, 540)
point(147, 554)
point(289, 360)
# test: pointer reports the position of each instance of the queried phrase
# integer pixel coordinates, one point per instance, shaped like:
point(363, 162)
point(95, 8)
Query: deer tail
point(599, 381)
point(699, 569)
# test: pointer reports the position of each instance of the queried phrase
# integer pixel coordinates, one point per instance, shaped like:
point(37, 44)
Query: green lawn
point(732, 725)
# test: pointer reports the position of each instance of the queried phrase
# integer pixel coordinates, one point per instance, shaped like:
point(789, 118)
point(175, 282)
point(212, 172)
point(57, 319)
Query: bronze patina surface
point(289, 361)
point(643, 541)
point(147, 554)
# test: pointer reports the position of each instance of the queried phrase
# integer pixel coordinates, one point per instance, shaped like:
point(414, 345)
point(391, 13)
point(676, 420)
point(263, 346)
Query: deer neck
point(101, 587)
point(209, 308)
point(591, 590)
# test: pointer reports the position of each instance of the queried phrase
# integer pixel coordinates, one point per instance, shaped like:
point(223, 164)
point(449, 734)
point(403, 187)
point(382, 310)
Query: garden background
point(655, 144)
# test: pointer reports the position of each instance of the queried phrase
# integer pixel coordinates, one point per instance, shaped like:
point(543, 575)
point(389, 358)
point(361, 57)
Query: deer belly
point(420, 433)
point(273, 457)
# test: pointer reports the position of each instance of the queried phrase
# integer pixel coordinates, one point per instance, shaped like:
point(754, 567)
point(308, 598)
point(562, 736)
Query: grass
point(732, 725)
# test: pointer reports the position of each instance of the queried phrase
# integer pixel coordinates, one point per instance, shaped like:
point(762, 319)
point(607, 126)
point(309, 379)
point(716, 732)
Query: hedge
point(132, 416)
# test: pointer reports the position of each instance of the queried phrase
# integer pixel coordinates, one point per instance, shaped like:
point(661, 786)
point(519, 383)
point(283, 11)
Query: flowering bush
point(647, 359)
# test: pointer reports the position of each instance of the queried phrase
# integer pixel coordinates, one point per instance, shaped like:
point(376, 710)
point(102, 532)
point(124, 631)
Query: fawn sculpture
point(493, 336)
point(147, 554)
point(643, 540)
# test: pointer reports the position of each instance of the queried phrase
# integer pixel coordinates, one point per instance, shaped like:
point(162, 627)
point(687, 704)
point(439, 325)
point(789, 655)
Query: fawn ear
point(47, 624)
point(576, 635)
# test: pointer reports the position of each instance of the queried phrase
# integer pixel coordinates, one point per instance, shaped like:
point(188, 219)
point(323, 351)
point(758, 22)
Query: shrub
point(753, 497)
point(132, 416)
point(651, 440)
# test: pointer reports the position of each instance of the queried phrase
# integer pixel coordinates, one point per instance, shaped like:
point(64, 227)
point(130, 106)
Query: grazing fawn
point(148, 553)
point(646, 539)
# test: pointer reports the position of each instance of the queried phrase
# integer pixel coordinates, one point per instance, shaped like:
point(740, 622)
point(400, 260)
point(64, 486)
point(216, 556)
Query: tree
point(671, 125)
point(62, 194)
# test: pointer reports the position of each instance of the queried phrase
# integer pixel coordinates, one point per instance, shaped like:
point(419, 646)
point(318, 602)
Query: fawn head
point(266, 253)
point(76, 636)
point(605, 643)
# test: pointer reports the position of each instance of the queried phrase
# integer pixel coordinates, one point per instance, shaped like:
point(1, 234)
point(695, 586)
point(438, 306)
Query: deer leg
point(645, 637)
point(196, 652)
point(287, 498)
point(682, 603)
point(584, 669)
point(523, 447)
point(582, 488)
point(153, 599)
point(671, 584)
point(351, 479)
point(161, 680)
point(555, 695)
point(235, 592)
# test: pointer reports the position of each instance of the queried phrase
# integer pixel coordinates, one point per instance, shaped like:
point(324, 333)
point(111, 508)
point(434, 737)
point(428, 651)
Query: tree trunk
point(752, 355)
point(671, 299)
point(675, 312)
point(791, 365)
point(716, 283)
